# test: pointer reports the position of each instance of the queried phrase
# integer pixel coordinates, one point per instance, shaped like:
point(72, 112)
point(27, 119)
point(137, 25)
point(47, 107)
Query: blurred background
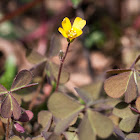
point(110, 40)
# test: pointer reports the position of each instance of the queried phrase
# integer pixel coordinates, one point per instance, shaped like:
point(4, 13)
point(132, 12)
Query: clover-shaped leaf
point(94, 124)
point(64, 109)
point(121, 84)
point(129, 123)
point(129, 119)
point(10, 106)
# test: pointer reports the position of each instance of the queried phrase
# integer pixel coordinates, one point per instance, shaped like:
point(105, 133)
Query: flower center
point(71, 33)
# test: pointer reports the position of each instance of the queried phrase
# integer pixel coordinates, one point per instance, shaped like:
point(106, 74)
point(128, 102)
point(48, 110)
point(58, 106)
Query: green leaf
point(122, 110)
point(10, 71)
point(120, 84)
point(15, 138)
point(86, 129)
point(102, 125)
point(95, 38)
point(129, 123)
point(94, 124)
point(62, 106)
point(76, 2)
point(132, 136)
point(44, 118)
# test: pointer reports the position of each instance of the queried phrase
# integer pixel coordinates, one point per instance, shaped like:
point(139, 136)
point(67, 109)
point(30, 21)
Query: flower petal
point(66, 24)
point(62, 32)
point(78, 31)
point(79, 23)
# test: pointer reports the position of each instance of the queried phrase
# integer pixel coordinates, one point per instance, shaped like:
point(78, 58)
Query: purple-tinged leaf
point(6, 108)
point(120, 84)
point(26, 116)
point(131, 92)
point(3, 90)
point(16, 108)
point(19, 128)
point(22, 79)
point(117, 71)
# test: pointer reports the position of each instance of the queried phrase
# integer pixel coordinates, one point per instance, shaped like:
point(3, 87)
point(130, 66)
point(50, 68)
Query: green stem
point(61, 65)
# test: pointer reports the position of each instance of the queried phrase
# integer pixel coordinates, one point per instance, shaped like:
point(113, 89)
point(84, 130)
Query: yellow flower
point(71, 32)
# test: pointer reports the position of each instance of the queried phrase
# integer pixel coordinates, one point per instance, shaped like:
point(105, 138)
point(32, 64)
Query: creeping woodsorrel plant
point(10, 108)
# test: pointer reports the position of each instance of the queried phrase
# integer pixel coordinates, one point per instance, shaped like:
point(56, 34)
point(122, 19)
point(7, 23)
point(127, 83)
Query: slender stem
point(61, 65)
point(7, 129)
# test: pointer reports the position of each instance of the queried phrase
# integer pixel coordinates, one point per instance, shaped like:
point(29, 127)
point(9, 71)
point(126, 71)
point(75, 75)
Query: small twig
point(7, 129)
point(61, 65)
